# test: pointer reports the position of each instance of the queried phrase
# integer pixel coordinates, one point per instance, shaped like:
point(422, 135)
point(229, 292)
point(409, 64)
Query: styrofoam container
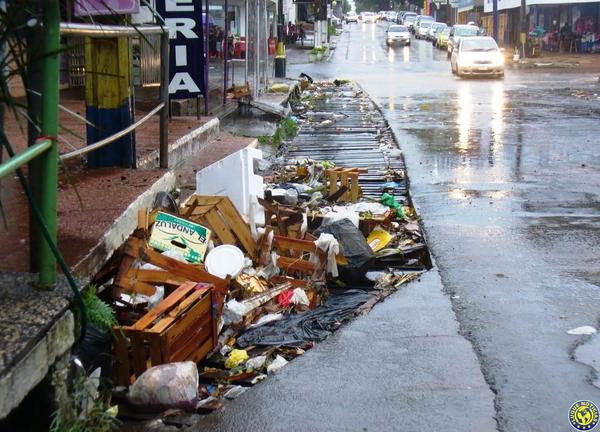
point(225, 260)
point(233, 176)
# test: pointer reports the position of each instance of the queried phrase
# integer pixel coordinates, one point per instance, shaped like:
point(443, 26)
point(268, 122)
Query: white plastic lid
point(224, 260)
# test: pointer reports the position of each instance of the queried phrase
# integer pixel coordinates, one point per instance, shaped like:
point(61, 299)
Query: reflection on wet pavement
point(506, 175)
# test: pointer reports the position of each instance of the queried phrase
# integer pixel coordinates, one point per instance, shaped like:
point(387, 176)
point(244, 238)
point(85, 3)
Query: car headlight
point(499, 59)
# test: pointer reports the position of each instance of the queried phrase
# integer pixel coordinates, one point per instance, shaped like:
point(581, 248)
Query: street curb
point(122, 228)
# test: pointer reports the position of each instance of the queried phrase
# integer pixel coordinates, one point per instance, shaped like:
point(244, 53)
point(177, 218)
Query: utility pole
point(280, 60)
point(523, 25)
point(495, 19)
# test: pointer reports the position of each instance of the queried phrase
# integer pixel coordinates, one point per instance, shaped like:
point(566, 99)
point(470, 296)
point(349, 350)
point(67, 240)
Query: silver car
point(459, 31)
point(397, 34)
point(478, 55)
point(434, 30)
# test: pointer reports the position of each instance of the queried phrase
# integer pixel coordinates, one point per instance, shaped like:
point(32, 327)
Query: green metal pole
point(49, 160)
point(9, 166)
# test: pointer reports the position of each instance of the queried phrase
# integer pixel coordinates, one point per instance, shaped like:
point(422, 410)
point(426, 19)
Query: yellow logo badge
point(583, 415)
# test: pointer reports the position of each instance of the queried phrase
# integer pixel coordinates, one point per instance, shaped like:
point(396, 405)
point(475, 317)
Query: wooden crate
point(347, 178)
point(182, 327)
point(241, 91)
point(225, 222)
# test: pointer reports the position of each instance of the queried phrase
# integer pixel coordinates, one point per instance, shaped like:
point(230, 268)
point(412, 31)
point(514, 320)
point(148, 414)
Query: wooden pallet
point(294, 256)
point(344, 178)
point(134, 280)
point(182, 327)
point(220, 215)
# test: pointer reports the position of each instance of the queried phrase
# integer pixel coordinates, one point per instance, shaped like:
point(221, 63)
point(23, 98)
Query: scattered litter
point(276, 364)
point(256, 363)
point(225, 260)
point(583, 330)
point(235, 358)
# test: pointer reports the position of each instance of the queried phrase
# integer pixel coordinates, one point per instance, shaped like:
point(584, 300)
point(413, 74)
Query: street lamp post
point(280, 60)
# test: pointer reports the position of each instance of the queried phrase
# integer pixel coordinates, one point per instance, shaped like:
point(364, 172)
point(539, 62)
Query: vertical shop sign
point(186, 62)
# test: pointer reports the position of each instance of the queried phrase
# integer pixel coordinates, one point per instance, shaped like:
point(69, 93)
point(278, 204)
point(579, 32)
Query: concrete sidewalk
point(425, 376)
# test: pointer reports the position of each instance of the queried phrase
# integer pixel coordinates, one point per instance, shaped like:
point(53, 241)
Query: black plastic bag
point(354, 245)
point(312, 326)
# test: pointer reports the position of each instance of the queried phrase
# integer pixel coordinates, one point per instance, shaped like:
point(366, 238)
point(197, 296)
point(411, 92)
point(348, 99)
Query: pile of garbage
point(215, 293)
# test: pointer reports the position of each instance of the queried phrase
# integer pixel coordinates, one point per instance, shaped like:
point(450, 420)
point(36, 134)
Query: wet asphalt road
point(505, 174)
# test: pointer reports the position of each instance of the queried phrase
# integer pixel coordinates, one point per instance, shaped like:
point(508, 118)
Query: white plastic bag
point(171, 385)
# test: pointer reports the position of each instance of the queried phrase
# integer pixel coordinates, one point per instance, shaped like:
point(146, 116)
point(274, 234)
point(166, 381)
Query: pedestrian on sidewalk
point(302, 34)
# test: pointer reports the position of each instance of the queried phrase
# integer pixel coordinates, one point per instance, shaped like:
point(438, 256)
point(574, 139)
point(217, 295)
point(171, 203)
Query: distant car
point(397, 34)
point(435, 28)
point(409, 20)
point(459, 31)
point(391, 16)
point(368, 17)
point(336, 21)
point(441, 38)
point(351, 17)
point(422, 30)
point(477, 55)
point(421, 19)
point(380, 16)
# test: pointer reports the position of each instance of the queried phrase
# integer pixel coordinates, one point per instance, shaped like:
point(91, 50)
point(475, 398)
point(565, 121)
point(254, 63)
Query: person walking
point(302, 34)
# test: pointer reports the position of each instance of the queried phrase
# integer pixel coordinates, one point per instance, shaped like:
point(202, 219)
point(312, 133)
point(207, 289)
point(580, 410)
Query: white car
point(458, 32)
point(368, 17)
point(477, 55)
point(351, 17)
point(422, 30)
point(391, 16)
point(397, 34)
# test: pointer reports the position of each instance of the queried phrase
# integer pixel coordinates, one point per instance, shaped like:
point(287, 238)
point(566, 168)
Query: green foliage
point(87, 411)
point(286, 129)
point(98, 312)
point(331, 30)
point(346, 7)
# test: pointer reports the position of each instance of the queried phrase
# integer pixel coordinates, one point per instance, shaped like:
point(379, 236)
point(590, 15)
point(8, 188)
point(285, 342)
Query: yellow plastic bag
point(236, 357)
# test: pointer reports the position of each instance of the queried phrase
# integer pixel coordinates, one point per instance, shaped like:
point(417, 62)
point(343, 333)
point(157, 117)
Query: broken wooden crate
point(182, 327)
point(346, 178)
point(221, 216)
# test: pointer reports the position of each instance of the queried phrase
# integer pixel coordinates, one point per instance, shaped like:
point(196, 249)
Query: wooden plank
point(201, 352)
point(156, 349)
point(294, 244)
point(175, 313)
point(239, 227)
point(137, 352)
point(288, 264)
point(208, 200)
point(333, 186)
point(187, 342)
point(186, 323)
point(344, 182)
point(122, 364)
point(354, 188)
point(190, 272)
point(219, 228)
point(167, 303)
point(158, 277)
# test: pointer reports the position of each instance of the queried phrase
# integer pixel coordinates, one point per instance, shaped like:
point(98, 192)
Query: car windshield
point(398, 29)
point(446, 31)
point(472, 45)
point(466, 31)
point(425, 24)
point(439, 27)
point(410, 18)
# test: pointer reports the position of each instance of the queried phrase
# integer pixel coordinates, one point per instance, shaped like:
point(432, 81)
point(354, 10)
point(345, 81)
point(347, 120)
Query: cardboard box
point(174, 233)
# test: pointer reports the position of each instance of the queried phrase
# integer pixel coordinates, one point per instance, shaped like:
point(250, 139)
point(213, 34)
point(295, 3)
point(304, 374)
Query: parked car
point(397, 34)
point(435, 28)
point(421, 19)
point(368, 17)
point(477, 55)
point(351, 17)
point(391, 16)
point(441, 38)
point(459, 31)
point(422, 30)
point(408, 19)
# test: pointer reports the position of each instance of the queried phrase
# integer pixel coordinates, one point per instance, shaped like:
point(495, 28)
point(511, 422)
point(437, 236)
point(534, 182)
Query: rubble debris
point(285, 265)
